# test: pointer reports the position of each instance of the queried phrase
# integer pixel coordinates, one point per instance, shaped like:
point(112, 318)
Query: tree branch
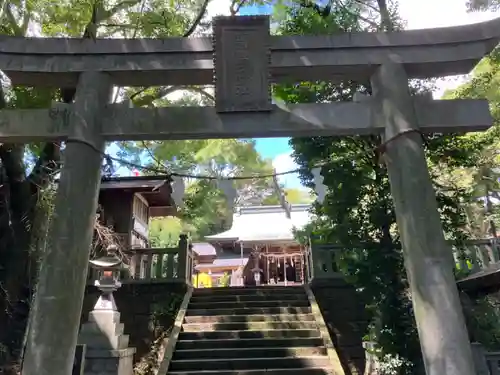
point(323, 12)
point(201, 91)
point(198, 19)
point(118, 7)
point(12, 21)
point(236, 6)
point(46, 166)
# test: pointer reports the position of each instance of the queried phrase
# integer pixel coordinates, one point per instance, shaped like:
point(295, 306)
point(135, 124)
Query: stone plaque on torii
point(243, 70)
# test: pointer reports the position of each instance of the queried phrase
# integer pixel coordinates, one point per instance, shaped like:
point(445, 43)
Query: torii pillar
point(428, 258)
point(55, 315)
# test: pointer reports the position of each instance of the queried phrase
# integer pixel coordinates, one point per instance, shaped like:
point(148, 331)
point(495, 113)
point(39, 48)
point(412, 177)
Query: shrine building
point(127, 203)
point(260, 248)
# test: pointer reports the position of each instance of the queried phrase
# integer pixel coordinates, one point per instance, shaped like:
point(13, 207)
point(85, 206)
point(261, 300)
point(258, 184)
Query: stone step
point(238, 353)
point(248, 297)
point(249, 318)
point(273, 333)
point(249, 363)
point(252, 326)
point(94, 328)
point(100, 341)
point(249, 343)
point(278, 371)
point(249, 290)
point(248, 304)
point(248, 311)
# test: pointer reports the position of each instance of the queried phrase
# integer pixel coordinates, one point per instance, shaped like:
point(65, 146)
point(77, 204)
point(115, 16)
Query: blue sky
point(255, 9)
point(279, 150)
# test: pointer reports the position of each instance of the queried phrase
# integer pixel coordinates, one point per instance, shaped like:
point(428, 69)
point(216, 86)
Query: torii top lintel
point(189, 61)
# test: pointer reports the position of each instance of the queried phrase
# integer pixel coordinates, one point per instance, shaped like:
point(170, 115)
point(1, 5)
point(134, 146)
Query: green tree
point(27, 171)
point(358, 212)
point(481, 181)
point(206, 207)
point(206, 210)
point(165, 231)
point(293, 196)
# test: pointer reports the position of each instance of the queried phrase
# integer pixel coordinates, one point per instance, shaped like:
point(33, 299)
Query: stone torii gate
point(246, 59)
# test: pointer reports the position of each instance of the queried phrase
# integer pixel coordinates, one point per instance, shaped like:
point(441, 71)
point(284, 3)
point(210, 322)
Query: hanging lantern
point(229, 191)
point(178, 190)
point(319, 187)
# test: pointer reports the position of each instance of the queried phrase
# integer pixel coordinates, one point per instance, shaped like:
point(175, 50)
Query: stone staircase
point(250, 331)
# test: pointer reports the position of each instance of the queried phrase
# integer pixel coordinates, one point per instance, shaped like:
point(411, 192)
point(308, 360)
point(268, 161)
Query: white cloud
point(284, 163)
point(214, 8)
point(218, 8)
point(424, 14)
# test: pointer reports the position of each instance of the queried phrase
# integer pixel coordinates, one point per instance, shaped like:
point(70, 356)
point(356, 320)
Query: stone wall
point(344, 314)
point(147, 310)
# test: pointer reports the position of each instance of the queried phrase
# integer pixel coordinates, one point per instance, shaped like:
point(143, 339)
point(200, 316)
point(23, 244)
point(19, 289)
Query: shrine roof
point(264, 224)
point(139, 183)
point(224, 262)
point(203, 248)
point(156, 190)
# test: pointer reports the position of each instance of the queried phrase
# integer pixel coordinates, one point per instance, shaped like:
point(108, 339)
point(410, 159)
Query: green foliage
point(293, 196)
point(358, 212)
point(482, 317)
point(206, 210)
point(480, 180)
point(165, 231)
point(358, 208)
point(162, 320)
point(22, 224)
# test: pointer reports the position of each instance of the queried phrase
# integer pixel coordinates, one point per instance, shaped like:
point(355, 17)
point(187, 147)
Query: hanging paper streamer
point(229, 191)
point(287, 207)
point(319, 187)
point(178, 190)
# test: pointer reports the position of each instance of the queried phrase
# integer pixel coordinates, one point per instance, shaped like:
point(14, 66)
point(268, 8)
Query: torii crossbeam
point(297, 120)
point(243, 60)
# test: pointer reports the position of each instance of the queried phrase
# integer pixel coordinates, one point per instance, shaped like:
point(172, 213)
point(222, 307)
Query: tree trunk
point(15, 275)
point(19, 197)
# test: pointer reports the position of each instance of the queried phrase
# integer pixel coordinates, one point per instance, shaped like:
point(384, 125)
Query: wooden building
point(127, 203)
point(263, 238)
point(213, 261)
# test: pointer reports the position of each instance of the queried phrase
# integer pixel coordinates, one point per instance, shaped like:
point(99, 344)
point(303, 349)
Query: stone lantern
point(107, 345)
point(108, 281)
point(256, 275)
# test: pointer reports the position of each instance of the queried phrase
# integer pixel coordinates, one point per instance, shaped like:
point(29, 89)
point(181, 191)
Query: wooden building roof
point(156, 190)
point(264, 224)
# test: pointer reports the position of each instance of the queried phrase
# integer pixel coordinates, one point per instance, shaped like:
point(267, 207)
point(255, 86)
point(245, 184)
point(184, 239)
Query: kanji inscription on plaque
point(241, 63)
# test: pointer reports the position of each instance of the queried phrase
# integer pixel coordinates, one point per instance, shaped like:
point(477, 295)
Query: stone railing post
point(182, 260)
point(371, 365)
point(479, 357)
point(324, 263)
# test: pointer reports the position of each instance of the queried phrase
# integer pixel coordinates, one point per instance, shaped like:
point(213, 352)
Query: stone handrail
point(470, 257)
point(493, 362)
point(150, 265)
point(477, 255)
